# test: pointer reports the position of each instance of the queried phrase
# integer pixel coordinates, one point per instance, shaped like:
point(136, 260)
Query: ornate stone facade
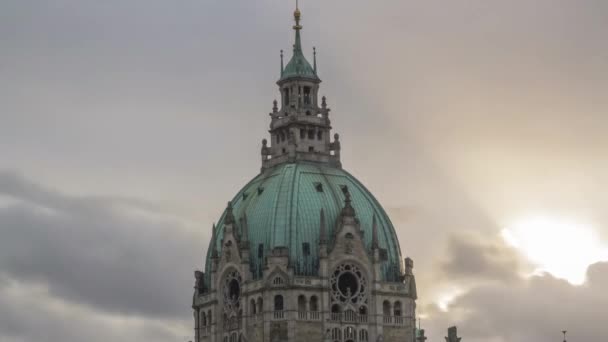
point(287, 274)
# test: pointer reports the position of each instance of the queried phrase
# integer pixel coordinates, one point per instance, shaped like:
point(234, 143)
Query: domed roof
point(282, 206)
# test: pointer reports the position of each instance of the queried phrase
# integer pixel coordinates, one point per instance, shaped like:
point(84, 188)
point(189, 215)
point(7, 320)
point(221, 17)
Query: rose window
point(349, 286)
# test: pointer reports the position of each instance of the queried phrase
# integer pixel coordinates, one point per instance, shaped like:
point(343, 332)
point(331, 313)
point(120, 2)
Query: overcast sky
point(126, 125)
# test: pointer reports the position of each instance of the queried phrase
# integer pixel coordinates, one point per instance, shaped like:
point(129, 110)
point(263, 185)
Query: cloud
point(29, 313)
point(500, 305)
point(471, 258)
point(116, 256)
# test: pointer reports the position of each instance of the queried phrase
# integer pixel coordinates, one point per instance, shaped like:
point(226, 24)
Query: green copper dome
point(282, 206)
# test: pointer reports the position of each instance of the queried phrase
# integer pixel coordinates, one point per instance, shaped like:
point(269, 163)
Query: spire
point(375, 244)
point(314, 59)
point(322, 229)
point(297, 27)
point(229, 219)
point(348, 209)
point(298, 66)
point(282, 63)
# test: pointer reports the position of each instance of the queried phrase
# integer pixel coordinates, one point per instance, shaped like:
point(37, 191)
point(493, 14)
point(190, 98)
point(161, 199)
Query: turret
point(300, 128)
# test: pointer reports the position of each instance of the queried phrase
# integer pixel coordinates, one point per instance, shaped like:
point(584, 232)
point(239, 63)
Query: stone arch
point(279, 304)
point(386, 308)
point(252, 308)
point(314, 303)
point(301, 303)
point(397, 309)
point(202, 319)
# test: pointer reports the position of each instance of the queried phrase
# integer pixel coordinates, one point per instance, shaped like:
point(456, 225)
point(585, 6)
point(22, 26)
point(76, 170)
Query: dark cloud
point(498, 304)
point(536, 309)
point(105, 254)
point(27, 313)
point(471, 258)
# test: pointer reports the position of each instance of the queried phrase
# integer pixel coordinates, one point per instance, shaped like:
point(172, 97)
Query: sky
point(480, 126)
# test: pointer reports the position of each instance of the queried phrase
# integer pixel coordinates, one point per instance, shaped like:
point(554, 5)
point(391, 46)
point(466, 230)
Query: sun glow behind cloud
point(559, 247)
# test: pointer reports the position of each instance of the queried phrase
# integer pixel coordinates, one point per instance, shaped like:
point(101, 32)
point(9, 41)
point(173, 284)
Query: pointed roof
point(298, 66)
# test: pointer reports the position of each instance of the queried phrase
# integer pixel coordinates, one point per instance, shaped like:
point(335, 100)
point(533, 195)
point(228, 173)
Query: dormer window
point(306, 249)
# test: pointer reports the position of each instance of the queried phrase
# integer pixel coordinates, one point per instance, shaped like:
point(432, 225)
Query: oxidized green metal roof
point(283, 207)
point(298, 66)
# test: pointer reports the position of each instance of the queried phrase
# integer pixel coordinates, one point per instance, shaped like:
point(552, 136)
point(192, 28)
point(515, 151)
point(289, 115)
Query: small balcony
point(393, 320)
point(348, 317)
point(309, 315)
point(278, 315)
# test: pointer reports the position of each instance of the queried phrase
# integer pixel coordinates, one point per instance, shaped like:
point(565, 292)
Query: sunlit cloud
point(558, 246)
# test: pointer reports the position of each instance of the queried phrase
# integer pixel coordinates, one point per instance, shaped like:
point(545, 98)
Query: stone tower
point(304, 252)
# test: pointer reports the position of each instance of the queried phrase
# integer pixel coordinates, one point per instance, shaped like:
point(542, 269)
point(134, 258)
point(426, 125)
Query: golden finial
point(296, 15)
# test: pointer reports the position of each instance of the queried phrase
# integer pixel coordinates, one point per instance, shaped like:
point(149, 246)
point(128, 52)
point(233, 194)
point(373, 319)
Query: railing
point(309, 315)
point(278, 315)
point(348, 317)
point(396, 320)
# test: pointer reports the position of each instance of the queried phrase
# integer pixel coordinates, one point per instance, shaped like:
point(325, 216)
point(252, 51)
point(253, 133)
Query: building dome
point(303, 252)
point(282, 208)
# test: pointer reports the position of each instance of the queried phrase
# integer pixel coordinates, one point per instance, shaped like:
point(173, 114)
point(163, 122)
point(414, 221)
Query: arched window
point(350, 334)
point(311, 134)
point(196, 324)
point(209, 320)
point(314, 304)
point(278, 303)
point(397, 309)
point(260, 305)
point(335, 308)
point(233, 337)
point(202, 319)
point(386, 308)
point(319, 135)
point(336, 334)
point(252, 308)
point(363, 335)
point(363, 310)
point(301, 303)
